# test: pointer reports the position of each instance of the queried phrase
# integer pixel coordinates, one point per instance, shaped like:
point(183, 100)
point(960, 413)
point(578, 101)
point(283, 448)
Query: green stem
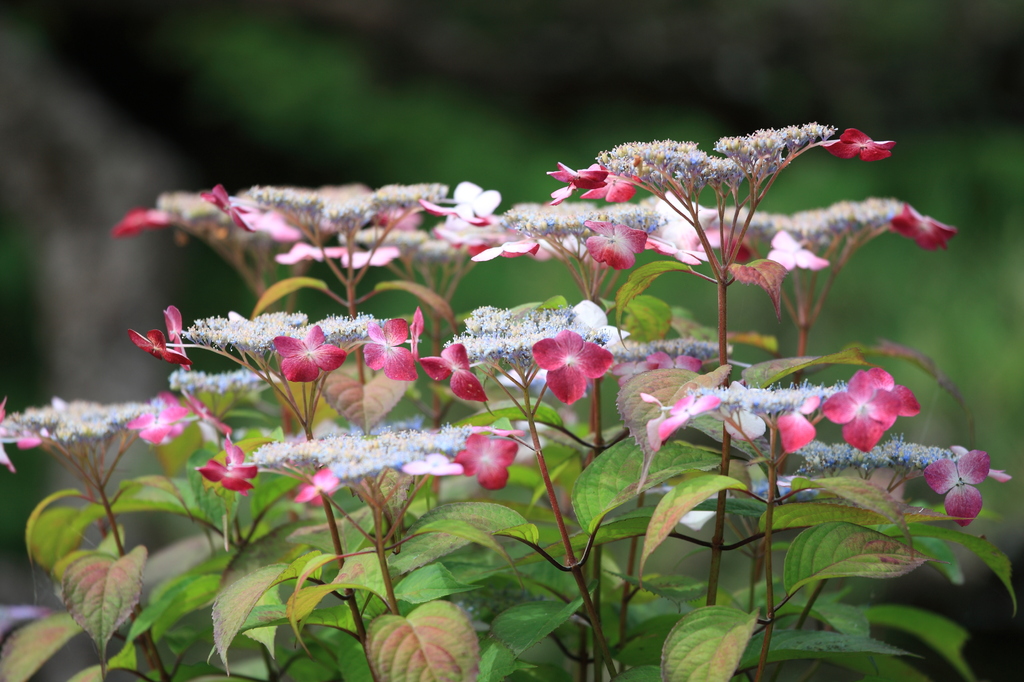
point(768, 575)
point(382, 558)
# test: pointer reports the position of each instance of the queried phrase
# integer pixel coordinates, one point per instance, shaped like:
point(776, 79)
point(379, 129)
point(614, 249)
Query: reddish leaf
point(29, 647)
point(766, 274)
point(364, 405)
point(435, 643)
point(235, 602)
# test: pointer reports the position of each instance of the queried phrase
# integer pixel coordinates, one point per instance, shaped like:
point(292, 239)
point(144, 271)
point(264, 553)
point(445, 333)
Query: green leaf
point(739, 507)
point(844, 618)
point(428, 296)
point(787, 645)
point(29, 647)
point(801, 514)
point(941, 634)
point(125, 659)
point(764, 273)
point(837, 549)
point(93, 673)
point(434, 642)
point(767, 373)
point(428, 583)
point(466, 531)
point(198, 591)
point(643, 644)
point(100, 593)
point(524, 625)
point(527, 531)
point(496, 661)
point(640, 279)
point(363, 405)
point(680, 500)
point(556, 301)
point(677, 588)
point(235, 602)
point(648, 318)
point(613, 478)
point(279, 290)
point(643, 673)
point(706, 645)
point(982, 548)
point(544, 413)
point(862, 493)
point(172, 456)
point(268, 492)
point(52, 534)
point(419, 551)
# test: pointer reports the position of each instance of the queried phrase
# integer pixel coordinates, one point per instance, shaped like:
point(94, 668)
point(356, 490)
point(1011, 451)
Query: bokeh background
point(106, 103)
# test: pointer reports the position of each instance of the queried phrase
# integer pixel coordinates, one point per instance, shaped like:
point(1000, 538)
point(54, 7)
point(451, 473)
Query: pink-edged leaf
point(706, 645)
point(864, 493)
point(279, 290)
point(236, 601)
point(436, 302)
point(364, 405)
point(680, 500)
point(29, 647)
point(100, 592)
point(436, 642)
point(764, 273)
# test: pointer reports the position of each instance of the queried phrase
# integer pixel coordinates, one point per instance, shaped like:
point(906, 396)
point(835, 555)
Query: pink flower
point(591, 178)
point(3, 455)
point(162, 428)
point(416, 330)
point(387, 353)
point(454, 362)
point(155, 344)
point(508, 433)
point(869, 406)
point(508, 250)
point(794, 427)
point(570, 361)
point(324, 481)
point(200, 410)
point(957, 480)
point(434, 465)
point(303, 360)
point(488, 459)
point(664, 425)
point(274, 225)
point(220, 198)
point(615, 245)
point(472, 204)
point(788, 253)
point(233, 476)
point(172, 319)
point(660, 360)
point(139, 219)
point(302, 251)
point(999, 475)
point(616, 189)
point(855, 143)
point(928, 232)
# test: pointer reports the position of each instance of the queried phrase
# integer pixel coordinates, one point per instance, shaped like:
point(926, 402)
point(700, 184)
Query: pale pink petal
point(974, 466)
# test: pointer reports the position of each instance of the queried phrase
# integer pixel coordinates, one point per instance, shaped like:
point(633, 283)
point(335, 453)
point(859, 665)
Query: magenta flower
point(220, 198)
point(204, 413)
point(454, 362)
point(928, 232)
point(508, 250)
point(235, 475)
point(788, 253)
point(161, 428)
point(172, 318)
point(855, 143)
point(956, 480)
point(302, 360)
point(435, 464)
point(387, 353)
point(665, 424)
point(796, 430)
point(659, 360)
point(155, 344)
point(415, 331)
point(615, 245)
point(139, 219)
point(591, 178)
point(616, 189)
point(324, 481)
point(570, 361)
point(488, 459)
point(869, 406)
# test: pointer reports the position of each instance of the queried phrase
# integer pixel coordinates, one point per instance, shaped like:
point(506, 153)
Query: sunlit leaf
point(279, 290)
point(764, 273)
point(433, 643)
point(430, 582)
point(425, 294)
point(363, 405)
point(647, 318)
point(767, 373)
point(706, 645)
point(640, 279)
point(235, 602)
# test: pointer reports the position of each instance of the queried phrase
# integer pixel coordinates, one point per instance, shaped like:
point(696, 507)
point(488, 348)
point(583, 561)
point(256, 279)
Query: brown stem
point(768, 574)
point(719, 537)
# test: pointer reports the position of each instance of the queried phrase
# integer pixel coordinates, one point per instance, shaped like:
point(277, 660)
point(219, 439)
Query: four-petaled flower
point(570, 361)
point(590, 178)
point(615, 245)
point(435, 464)
point(302, 360)
point(233, 476)
point(869, 406)
point(928, 232)
point(788, 253)
point(387, 353)
point(472, 204)
point(139, 219)
point(454, 362)
point(957, 479)
point(488, 459)
point(616, 189)
point(220, 198)
point(855, 143)
point(161, 428)
point(324, 481)
point(670, 419)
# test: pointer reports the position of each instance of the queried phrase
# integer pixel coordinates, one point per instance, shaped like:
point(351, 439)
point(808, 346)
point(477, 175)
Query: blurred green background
point(311, 92)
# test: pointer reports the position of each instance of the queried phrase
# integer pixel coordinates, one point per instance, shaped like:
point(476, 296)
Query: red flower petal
point(964, 502)
point(941, 475)
point(796, 431)
point(466, 386)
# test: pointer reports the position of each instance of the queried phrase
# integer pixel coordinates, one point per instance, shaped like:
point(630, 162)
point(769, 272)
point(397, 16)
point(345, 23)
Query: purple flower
point(957, 480)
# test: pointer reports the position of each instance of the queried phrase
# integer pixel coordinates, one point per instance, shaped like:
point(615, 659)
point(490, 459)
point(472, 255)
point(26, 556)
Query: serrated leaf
point(640, 279)
point(496, 661)
point(861, 492)
point(787, 645)
point(837, 549)
point(543, 413)
point(466, 531)
point(706, 645)
point(642, 673)
point(941, 634)
point(279, 290)
point(197, 593)
point(428, 583)
point(125, 659)
point(765, 342)
point(428, 296)
point(643, 644)
point(677, 588)
point(433, 643)
point(647, 318)
point(680, 500)
point(235, 602)
point(527, 531)
point(764, 273)
point(614, 478)
point(59, 534)
point(801, 514)
point(767, 373)
point(524, 625)
point(30, 646)
point(363, 405)
point(739, 507)
point(272, 548)
point(100, 592)
point(418, 551)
